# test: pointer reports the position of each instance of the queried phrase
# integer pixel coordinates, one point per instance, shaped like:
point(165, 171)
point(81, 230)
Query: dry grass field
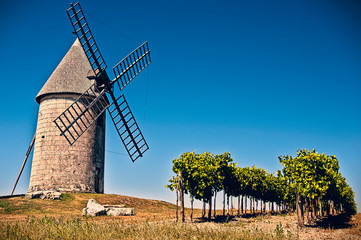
point(22, 218)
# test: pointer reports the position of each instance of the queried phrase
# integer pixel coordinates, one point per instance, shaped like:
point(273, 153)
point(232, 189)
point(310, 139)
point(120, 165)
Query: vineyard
point(309, 184)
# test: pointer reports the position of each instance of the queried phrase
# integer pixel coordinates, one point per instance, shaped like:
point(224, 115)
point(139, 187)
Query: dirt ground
point(286, 225)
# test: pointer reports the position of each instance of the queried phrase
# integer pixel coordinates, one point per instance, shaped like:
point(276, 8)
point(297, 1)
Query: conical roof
point(70, 75)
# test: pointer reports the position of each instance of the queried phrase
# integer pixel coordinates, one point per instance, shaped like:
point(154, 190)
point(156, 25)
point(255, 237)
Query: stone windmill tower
point(70, 135)
point(56, 164)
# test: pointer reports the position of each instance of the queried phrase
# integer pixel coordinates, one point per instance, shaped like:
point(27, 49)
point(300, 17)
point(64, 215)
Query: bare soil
point(335, 227)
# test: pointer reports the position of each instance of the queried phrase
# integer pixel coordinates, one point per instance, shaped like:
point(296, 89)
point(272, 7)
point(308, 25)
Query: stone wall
point(58, 166)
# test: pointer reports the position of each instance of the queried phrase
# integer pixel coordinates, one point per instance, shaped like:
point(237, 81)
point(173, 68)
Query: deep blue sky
point(256, 78)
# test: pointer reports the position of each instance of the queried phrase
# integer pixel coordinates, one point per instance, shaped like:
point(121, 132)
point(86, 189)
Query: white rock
point(85, 211)
point(55, 195)
point(36, 194)
point(45, 195)
point(115, 211)
point(94, 208)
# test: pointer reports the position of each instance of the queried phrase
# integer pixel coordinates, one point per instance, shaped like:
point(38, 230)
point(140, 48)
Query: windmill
point(69, 144)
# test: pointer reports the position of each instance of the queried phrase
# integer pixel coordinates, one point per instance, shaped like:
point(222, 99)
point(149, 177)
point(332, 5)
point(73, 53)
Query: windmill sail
point(86, 38)
point(132, 65)
point(77, 118)
point(127, 128)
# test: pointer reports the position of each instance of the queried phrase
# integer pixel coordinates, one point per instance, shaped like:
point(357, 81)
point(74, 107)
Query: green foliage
point(279, 231)
point(202, 174)
point(315, 175)
point(66, 197)
point(310, 174)
point(172, 183)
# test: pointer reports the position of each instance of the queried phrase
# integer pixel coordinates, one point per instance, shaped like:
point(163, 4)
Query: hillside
point(49, 219)
point(71, 205)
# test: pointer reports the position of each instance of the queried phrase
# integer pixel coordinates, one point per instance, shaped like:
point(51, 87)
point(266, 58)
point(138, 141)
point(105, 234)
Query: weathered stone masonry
point(57, 165)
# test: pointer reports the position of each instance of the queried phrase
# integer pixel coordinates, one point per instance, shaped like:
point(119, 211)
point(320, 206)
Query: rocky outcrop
point(95, 209)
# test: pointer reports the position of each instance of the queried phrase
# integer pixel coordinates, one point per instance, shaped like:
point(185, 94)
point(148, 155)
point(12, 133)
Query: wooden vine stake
point(181, 194)
point(176, 192)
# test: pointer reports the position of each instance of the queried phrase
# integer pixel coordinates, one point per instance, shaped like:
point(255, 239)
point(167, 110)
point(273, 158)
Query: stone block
point(85, 211)
point(115, 211)
point(94, 208)
point(55, 195)
point(44, 195)
point(35, 194)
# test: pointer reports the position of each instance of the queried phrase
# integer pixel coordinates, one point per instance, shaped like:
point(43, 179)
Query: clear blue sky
point(256, 78)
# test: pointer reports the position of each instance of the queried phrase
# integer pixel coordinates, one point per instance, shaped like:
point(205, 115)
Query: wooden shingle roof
point(70, 75)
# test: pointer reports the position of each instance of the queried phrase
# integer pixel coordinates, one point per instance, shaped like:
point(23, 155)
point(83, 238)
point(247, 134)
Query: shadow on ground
point(224, 219)
point(333, 222)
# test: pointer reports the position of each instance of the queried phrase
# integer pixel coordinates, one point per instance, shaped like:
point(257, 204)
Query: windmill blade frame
point(127, 127)
point(79, 116)
point(86, 38)
point(128, 68)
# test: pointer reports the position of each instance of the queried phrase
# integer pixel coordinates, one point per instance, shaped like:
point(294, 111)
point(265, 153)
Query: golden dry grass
point(153, 219)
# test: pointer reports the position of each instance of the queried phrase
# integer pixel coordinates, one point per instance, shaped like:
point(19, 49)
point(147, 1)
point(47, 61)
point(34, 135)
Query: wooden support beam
point(22, 167)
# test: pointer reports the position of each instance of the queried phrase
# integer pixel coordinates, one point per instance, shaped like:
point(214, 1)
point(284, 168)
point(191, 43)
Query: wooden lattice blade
point(127, 127)
point(82, 30)
point(132, 65)
point(79, 116)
